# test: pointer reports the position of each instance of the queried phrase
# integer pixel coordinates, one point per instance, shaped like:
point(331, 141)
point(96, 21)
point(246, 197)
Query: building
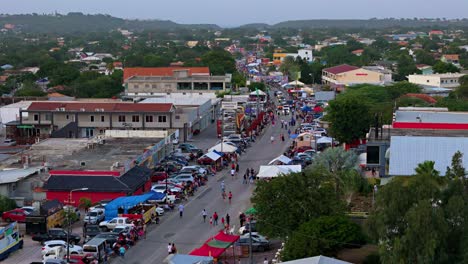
point(417, 134)
point(101, 184)
point(151, 82)
point(304, 54)
point(425, 69)
point(18, 183)
point(345, 75)
point(444, 80)
point(451, 58)
point(87, 119)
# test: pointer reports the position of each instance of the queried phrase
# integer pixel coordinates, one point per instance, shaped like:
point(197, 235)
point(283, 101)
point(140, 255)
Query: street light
point(69, 220)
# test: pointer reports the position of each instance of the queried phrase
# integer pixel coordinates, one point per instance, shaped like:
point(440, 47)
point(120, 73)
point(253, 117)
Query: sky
point(239, 12)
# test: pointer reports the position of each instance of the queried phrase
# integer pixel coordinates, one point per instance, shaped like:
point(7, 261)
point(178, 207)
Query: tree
point(325, 235)
point(421, 220)
point(456, 171)
point(6, 204)
point(288, 201)
point(442, 67)
point(219, 61)
point(29, 89)
point(342, 167)
point(257, 85)
point(85, 203)
point(406, 66)
point(350, 118)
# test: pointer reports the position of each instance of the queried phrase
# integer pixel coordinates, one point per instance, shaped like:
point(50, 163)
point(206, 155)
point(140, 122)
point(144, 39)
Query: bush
point(373, 258)
point(6, 204)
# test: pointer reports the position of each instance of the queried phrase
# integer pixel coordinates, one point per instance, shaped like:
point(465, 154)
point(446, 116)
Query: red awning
point(221, 236)
point(207, 251)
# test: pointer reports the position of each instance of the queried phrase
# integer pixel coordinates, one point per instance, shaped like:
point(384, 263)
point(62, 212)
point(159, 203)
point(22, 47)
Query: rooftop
point(14, 175)
point(441, 75)
point(184, 101)
point(340, 69)
point(164, 71)
point(432, 117)
point(103, 106)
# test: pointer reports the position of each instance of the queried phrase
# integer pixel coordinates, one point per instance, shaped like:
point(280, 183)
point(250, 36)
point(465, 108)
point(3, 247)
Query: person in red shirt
point(230, 196)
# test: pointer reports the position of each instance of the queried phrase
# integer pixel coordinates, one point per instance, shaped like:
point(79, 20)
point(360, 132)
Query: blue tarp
point(156, 195)
point(293, 136)
point(126, 203)
point(188, 259)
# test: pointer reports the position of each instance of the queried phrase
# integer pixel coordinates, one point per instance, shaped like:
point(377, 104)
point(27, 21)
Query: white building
point(306, 54)
point(444, 80)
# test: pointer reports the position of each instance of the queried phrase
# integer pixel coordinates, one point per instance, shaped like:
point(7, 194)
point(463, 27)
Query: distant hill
point(370, 23)
point(79, 22)
point(256, 26)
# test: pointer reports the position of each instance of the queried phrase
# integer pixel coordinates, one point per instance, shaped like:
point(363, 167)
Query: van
point(57, 252)
point(96, 247)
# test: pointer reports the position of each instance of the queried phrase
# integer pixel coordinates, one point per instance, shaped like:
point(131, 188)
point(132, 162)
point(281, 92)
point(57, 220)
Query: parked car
point(56, 234)
point(29, 209)
point(124, 230)
point(94, 216)
point(311, 153)
point(184, 178)
point(9, 142)
point(162, 188)
point(305, 157)
point(302, 149)
point(158, 176)
point(245, 229)
point(259, 242)
point(110, 237)
point(15, 215)
point(48, 245)
point(194, 169)
point(109, 225)
point(90, 231)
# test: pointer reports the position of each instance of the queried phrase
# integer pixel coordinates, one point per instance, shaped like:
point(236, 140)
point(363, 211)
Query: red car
point(302, 149)
point(15, 215)
point(204, 160)
point(158, 176)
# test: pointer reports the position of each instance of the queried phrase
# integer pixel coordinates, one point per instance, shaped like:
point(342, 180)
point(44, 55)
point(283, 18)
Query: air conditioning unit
point(82, 109)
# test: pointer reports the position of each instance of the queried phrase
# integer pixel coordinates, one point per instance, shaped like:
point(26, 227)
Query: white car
point(9, 142)
point(109, 225)
point(49, 245)
point(162, 188)
point(159, 211)
point(184, 178)
point(29, 209)
point(195, 167)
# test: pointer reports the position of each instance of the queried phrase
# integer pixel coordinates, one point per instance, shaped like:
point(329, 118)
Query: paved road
point(190, 232)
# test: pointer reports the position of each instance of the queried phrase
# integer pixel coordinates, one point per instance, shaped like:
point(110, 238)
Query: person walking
point(222, 186)
point(265, 261)
point(204, 215)
point(230, 196)
point(228, 219)
point(272, 139)
point(237, 168)
point(245, 179)
point(144, 230)
point(233, 171)
point(222, 221)
point(215, 218)
point(169, 249)
point(282, 137)
point(173, 249)
point(211, 221)
point(181, 210)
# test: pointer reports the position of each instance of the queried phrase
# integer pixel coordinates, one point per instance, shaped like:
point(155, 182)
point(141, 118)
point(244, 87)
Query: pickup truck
point(56, 234)
point(94, 216)
point(117, 221)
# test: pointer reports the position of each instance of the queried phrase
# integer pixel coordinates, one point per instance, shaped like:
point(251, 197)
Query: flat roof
point(432, 117)
point(195, 101)
point(441, 75)
point(14, 175)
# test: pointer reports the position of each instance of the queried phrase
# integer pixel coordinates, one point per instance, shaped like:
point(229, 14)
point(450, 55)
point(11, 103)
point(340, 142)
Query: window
point(103, 118)
point(147, 85)
point(91, 118)
point(149, 118)
point(135, 118)
point(177, 117)
point(67, 117)
point(162, 119)
point(154, 86)
point(48, 117)
point(136, 86)
point(36, 117)
point(121, 118)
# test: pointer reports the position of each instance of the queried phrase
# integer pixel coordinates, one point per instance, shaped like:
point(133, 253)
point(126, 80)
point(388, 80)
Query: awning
point(223, 147)
point(221, 236)
point(260, 92)
point(213, 155)
point(251, 211)
point(276, 170)
point(156, 196)
point(218, 244)
point(282, 159)
point(206, 250)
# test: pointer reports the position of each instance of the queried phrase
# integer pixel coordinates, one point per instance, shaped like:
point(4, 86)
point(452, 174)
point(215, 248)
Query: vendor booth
point(277, 170)
point(124, 204)
point(283, 160)
point(224, 148)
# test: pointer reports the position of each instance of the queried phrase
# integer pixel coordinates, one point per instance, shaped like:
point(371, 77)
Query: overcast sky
point(234, 13)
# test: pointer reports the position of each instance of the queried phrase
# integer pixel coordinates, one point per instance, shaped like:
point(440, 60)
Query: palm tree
point(427, 169)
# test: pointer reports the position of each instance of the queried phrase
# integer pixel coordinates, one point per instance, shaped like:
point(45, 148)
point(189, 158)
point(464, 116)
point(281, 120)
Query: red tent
point(221, 236)
point(207, 251)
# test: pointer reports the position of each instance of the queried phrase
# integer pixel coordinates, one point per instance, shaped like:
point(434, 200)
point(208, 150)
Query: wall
point(94, 196)
point(424, 80)
point(136, 133)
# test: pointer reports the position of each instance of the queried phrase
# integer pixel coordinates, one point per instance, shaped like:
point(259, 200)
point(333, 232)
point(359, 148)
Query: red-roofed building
point(160, 81)
point(451, 58)
point(358, 52)
point(436, 33)
point(73, 119)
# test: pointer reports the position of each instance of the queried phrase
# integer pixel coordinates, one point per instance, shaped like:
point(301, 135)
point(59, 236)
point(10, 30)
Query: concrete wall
point(360, 76)
point(136, 133)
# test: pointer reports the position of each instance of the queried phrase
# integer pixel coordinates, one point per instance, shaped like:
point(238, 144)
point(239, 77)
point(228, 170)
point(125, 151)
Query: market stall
point(273, 171)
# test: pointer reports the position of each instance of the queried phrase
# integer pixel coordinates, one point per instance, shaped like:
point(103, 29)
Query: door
point(89, 132)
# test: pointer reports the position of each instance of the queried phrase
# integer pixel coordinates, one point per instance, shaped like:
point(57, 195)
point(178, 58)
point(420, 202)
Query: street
point(190, 232)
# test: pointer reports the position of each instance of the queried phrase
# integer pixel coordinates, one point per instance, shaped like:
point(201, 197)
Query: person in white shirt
point(181, 210)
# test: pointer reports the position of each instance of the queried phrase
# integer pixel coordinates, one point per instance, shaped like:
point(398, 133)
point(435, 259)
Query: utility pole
point(250, 241)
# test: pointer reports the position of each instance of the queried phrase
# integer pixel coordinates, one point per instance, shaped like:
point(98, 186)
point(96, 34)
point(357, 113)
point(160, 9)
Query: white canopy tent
point(213, 155)
point(223, 147)
point(260, 92)
point(272, 171)
point(325, 140)
point(282, 159)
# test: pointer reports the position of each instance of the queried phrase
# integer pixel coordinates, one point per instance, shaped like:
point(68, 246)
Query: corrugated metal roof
point(432, 117)
point(14, 175)
point(317, 260)
point(407, 152)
